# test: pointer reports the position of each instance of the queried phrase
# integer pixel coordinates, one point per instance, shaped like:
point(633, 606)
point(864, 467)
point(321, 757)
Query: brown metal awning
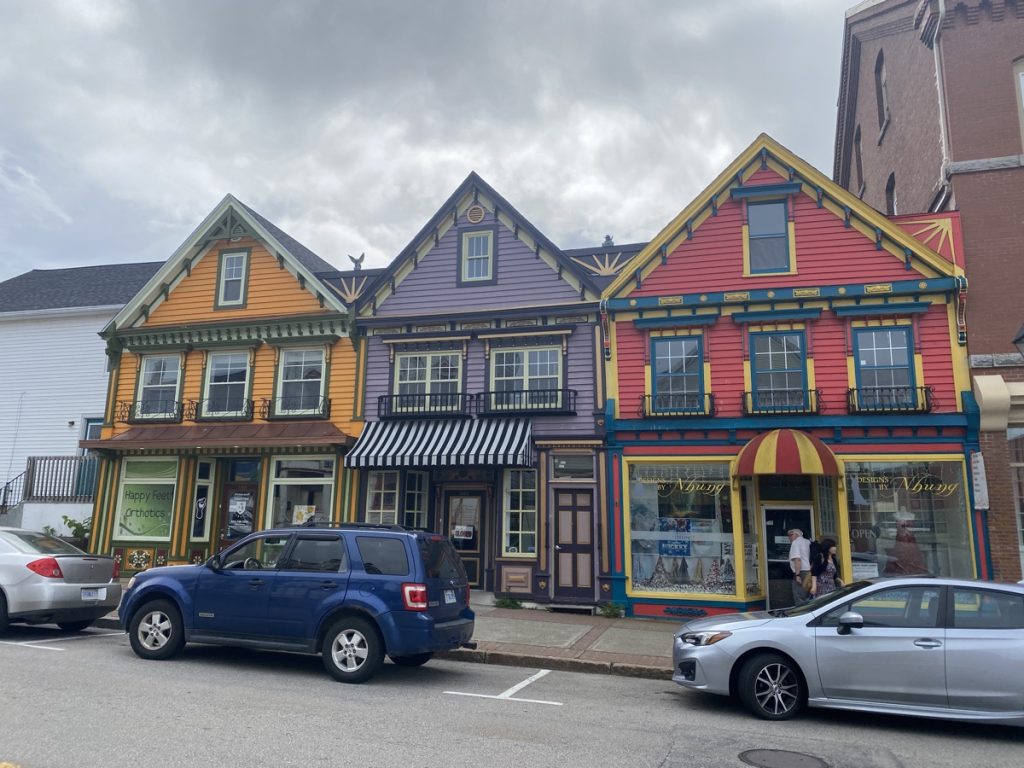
point(304, 434)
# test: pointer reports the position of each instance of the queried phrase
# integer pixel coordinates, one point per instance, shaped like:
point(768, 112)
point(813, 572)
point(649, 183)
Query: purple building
point(484, 399)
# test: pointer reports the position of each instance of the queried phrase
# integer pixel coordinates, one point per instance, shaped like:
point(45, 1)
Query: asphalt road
point(79, 701)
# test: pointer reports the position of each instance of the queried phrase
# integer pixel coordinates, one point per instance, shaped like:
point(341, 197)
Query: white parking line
point(507, 695)
point(41, 644)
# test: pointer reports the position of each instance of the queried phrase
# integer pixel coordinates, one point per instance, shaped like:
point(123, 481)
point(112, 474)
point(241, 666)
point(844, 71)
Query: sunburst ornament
point(604, 264)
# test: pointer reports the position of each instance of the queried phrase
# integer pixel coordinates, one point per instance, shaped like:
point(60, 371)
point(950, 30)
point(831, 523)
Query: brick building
point(931, 118)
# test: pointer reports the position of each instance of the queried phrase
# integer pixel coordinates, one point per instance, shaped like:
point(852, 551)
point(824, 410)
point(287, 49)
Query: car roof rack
point(352, 526)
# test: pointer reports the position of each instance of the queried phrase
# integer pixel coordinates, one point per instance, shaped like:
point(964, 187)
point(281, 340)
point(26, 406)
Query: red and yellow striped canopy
point(786, 452)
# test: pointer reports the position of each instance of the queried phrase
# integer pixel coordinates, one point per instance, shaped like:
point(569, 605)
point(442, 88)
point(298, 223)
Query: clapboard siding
point(55, 374)
point(523, 279)
point(272, 291)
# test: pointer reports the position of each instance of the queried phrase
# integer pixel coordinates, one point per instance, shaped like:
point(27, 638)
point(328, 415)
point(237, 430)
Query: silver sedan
point(928, 647)
point(45, 580)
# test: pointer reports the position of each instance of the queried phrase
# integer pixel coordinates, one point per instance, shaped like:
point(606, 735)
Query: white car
point(928, 647)
point(45, 580)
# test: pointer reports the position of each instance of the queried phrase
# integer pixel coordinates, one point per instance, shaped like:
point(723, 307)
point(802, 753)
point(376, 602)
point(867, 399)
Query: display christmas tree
point(728, 573)
point(713, 580)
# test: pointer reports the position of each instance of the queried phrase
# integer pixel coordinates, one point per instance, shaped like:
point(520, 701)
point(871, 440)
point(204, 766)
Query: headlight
point(704, 638)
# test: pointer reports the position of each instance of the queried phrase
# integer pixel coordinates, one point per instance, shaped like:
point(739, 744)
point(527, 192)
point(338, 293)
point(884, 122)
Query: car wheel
point(770, 686)
point(156, 630)
point(74, 626)
point(3, 614)
point(413, 659)
point(352, 650)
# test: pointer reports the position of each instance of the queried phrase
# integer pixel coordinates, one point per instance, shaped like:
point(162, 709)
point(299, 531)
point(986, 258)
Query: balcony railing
point(424, 404)
point(889, 400)
point(677, 405)
point(148, 411)
point(219, 409)
point(69, 479)
point(529, 401)
point(296, 408)
point(782, 402)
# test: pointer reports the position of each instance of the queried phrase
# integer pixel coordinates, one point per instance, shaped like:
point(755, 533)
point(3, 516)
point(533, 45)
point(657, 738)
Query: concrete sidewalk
point(535, 637)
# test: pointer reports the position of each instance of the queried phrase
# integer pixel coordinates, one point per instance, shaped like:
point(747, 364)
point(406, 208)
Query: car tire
point(352, 650)
point(4, 622)
point(74, 626)
point(413, 659)
point(156, 630)
point(770, 686)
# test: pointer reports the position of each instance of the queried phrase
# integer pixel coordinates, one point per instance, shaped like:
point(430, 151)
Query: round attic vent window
point(475, 214)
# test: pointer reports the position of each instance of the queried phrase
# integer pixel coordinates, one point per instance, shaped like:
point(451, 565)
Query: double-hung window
point(885, 374)
point(476, 252)
point(768, 237)
point(527, 378)
point(415, 511)
point(678, 374)
point(428, 382)
point(778, 371)
point(227, 384)
point(158, 387)
point(231, 279)
point(301, 386)
point(520, 513)
point(382, 497)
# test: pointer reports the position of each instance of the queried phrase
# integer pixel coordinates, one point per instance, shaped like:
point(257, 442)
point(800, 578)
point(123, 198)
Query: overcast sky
point(347, 124)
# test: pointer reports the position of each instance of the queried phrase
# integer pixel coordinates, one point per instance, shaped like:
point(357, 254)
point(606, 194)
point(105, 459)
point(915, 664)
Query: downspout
point(940, 85)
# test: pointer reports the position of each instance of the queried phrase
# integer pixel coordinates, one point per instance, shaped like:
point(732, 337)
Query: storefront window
point(382, 497)
point(145, 505)
point(1015, 438)
point(200, 530)
point(680, 520)
point(520, 513)
point(751, 550)
point(908, 518)
point(301, 491)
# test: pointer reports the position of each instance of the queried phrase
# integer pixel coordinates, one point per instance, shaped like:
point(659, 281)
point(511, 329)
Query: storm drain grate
point(780, 758)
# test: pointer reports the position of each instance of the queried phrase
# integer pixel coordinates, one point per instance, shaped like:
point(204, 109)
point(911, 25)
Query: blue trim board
point(679, 321)
point(873, 310)
point(775, 316)
point(801, 421)
point(765, 190)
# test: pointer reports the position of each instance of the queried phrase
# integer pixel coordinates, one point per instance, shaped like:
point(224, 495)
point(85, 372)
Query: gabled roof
point(766, 151)
point(229, 219)
point(471, 190)
point(107, 285)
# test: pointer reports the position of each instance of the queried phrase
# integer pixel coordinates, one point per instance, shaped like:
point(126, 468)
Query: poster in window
point(199, 511)
point(302, 513)
point(240, 514)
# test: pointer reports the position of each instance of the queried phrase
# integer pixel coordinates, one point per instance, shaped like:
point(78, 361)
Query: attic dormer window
point(232, 277)
point(768, 235)
point(477, 257)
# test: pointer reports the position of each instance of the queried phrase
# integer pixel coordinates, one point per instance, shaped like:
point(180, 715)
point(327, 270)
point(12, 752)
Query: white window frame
point(223, 278)
point(280, 410)
point(207, 483)
point(414, 512)
point(429, 382)
point(525, 379)
point(206, 410)
point(467, 257)
point(276, 481)
point(1017, 478)
point(172, 481)
point(508, 534)
point(375, 511)
point(141, 386)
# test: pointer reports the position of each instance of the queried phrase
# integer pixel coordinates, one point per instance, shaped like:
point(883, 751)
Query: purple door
point(574, 545)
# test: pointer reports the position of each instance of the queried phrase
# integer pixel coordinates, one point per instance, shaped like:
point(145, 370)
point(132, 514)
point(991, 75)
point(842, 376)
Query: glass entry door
point(778, 519)
point(464, 514)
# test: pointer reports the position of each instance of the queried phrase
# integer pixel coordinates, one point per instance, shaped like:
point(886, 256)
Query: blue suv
point(352, 593)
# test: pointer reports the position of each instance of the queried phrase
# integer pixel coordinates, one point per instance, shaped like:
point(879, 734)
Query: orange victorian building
point(230, 402)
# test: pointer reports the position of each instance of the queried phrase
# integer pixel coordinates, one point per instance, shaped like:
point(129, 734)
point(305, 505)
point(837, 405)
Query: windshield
point(820, 602)
point(32, 543)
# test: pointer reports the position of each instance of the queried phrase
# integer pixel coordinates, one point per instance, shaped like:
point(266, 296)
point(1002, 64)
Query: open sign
point(462, 532)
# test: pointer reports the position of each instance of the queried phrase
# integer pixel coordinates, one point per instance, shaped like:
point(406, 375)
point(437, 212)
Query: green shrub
point(79, 529)
point(507, 602)
point(611, 610)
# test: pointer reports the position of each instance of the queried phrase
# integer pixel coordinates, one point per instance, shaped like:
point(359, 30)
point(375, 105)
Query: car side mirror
point(849, 621)
point(214, 563)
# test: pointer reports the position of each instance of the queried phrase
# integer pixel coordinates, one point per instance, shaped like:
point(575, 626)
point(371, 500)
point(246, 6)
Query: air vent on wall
point(475, 214)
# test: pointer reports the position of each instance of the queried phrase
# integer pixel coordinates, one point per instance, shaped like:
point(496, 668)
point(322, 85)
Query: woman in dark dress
point(825, 570)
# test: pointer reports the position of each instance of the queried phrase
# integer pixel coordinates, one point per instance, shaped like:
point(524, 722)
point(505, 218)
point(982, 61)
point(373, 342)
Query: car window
point(32, 543)
point(255, 554)
point(440, 561)
point(383, 555)
point(987, 609)
point(323, 553)
point(895, 607)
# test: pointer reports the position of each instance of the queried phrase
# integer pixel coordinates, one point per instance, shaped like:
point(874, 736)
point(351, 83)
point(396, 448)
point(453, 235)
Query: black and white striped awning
point(443, 442)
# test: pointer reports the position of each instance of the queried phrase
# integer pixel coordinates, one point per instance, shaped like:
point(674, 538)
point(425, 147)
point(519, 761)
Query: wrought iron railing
point(296, 408)
point(69, 479)
point(147, 411)
point(783, 402)
point(677, 405)
point(424, 404)
point(549, 400)
point(889, 400)
point(219, 409)
point(12, 493)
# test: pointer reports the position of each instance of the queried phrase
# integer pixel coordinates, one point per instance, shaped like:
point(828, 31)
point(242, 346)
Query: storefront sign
point(923, 483)
point(146, 510)
point(979, 480)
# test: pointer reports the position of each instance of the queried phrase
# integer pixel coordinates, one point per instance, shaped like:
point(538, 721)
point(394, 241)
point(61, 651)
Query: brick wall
point(1002, 522)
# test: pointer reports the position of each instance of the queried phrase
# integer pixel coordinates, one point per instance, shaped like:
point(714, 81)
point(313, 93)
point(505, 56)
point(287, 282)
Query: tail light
point(414, 596)
point(117, 570)
point(47, 567)
point(468, 591)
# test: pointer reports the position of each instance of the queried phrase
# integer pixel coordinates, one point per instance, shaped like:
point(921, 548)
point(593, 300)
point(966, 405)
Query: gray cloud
point(348, 123)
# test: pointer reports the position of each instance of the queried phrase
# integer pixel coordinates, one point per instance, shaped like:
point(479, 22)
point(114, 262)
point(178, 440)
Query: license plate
point(90, 594)
point(449, 595)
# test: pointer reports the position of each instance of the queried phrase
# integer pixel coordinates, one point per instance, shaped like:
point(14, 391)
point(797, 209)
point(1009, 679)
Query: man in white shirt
point(799, 563)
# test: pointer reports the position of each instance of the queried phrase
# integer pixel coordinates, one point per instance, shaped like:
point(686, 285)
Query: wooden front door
point(574, 545)
point(465, 518)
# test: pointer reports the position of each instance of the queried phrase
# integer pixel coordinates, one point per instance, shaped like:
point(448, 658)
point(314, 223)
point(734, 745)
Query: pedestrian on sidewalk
point(800, 563)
